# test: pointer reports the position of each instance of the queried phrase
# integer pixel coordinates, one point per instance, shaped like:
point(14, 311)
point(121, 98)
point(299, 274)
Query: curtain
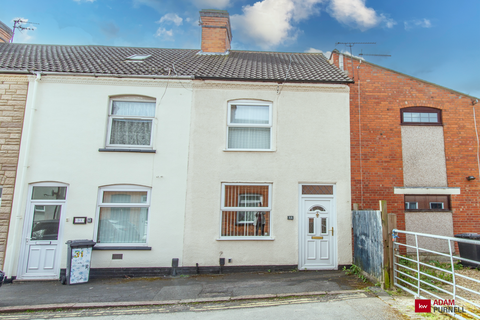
point(124, 224)
point(127, 108)
point(131, 132)
point(248, 138)
point(250, 114)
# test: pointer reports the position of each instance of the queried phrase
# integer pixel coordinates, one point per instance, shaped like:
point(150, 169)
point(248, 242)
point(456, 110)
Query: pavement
point(21, 296)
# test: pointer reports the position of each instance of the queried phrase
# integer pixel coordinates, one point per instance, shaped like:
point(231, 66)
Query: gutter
point(153, 76)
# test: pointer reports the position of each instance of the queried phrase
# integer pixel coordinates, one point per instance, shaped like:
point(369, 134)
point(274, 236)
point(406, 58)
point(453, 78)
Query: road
point(348, 306)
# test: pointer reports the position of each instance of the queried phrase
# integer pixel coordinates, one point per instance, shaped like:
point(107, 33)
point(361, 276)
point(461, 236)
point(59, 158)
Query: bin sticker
point(80, 265)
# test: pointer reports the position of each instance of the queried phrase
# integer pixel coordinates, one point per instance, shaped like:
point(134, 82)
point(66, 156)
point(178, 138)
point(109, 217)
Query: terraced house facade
point(197, 157)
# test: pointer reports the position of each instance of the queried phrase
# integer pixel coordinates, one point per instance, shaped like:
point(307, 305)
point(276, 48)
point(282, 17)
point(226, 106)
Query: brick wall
point(380, 168)
point(216, 32)
point(13, 97)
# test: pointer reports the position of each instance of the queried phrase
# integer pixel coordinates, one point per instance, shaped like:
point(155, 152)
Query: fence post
point(392, 224)
point(386, 255)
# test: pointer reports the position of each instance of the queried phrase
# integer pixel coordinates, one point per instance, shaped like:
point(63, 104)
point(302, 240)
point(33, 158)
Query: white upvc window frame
point(268, 208)
point(101, 204)
point(408, 204)
point(245, 212)
point(249, 125)
point(111, 117)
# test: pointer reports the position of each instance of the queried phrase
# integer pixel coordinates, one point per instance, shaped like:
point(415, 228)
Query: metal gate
point(435, 274)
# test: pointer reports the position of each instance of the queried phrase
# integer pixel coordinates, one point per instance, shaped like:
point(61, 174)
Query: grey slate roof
point(103, 60)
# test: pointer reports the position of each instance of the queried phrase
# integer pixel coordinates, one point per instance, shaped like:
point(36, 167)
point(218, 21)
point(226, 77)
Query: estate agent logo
point(445, 306)
point(423, 305)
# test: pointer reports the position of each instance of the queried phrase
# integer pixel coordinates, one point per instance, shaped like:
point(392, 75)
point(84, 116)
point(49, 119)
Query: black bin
point(469, 250)
point(2, 277)
point(79, 257)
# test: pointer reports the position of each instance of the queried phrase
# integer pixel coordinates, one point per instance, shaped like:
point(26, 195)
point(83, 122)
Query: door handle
point(332, 231)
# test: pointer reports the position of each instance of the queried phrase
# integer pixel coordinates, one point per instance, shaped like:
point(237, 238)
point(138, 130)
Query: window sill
point(248, 150)
point(246, 239)
point(122, 248)
point(127, 150)
point(428, 210)
point(421, 124)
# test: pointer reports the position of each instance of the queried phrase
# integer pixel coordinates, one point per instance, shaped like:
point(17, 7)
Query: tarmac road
point(360, 305)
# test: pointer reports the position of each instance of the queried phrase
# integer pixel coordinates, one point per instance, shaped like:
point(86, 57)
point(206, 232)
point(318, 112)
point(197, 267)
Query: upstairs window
point(421, 116)
point(427, 202)
point(130, 123)
point(249, 125)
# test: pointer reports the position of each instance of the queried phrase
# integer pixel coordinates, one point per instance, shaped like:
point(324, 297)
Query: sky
point(434, 40)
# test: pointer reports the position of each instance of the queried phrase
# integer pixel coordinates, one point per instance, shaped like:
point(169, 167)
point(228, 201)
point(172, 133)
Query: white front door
point(41, 243)
point(317, 234)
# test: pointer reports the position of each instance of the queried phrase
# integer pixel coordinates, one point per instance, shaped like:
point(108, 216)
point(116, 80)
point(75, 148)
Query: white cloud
point(421, 23)
point(325, 53)
point(212, 4)
point(313, 50)
point(347, 53)
point(389, 23)
point(355, 13)
point(269, 22)
point(162, 32)
point(171, 17)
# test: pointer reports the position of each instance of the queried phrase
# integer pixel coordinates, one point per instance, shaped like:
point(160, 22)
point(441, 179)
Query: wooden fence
point(372, 243)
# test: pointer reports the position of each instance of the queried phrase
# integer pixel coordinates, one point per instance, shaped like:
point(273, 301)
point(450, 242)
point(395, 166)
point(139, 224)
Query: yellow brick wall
point(13, 97)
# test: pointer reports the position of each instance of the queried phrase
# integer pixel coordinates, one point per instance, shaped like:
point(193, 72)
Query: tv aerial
point(374, 54)
point(350, 45)
point(17, 24)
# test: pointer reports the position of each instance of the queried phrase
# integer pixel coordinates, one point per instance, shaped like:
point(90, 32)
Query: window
point(122, 216)
point(248, 200)
point(411, 205)
point(249, 125)
point(245, 210)
point(138, 57)
point(436, 205)
point(427, 202)
point(47, 202)
point(130, 123)
point(421, 115)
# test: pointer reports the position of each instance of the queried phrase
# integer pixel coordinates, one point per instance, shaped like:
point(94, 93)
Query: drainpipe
point(19, 186)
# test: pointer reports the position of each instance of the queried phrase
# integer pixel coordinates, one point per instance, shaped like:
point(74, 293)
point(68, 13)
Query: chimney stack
point(5, 33)
point(216, 31)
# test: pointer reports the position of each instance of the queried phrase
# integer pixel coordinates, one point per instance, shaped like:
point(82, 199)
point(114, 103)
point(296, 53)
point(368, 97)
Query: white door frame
point(301, 226)
point(23, 259)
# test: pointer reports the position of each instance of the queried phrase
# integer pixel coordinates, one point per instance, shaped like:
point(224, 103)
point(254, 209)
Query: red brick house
point(416, 145)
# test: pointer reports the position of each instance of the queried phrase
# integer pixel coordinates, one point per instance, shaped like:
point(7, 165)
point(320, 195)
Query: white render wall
point(311, 134)
point(69, 128)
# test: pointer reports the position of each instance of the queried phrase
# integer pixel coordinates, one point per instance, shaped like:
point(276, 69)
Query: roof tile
point(237, 65)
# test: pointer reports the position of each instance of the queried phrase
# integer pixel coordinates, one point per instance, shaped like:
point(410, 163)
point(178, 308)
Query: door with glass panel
point(41, 243)
point(318, 232)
